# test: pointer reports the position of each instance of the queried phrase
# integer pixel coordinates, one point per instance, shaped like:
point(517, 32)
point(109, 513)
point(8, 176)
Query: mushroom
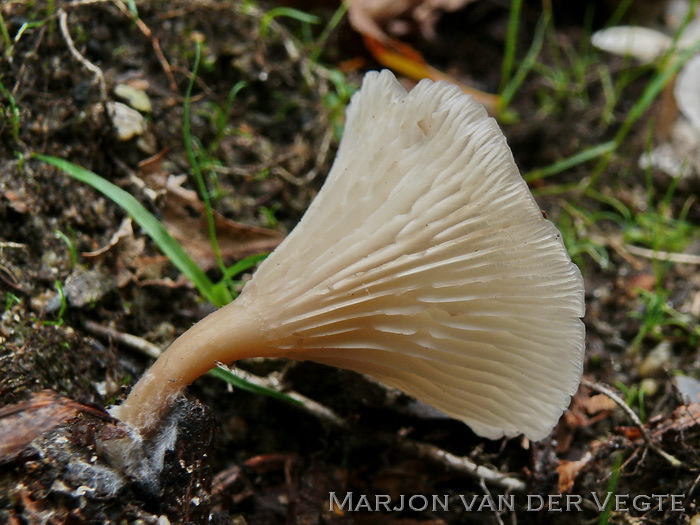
point(424, 262)
point(642, 43)
point(686, 91)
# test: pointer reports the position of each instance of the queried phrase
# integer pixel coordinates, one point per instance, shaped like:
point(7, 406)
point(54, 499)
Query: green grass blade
point(243, 265)
point(233, 379)
point(168, 245)
point(511, 42)
point(611, 490)
point(570, 162)
point(288, 12)
point(15, 116)
point(527, 64)
point(194, 163)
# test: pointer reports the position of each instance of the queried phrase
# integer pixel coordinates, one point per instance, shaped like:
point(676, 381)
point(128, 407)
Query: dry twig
point(680, 258)
point(673, 461)
point(99, 76)
point(154, 43)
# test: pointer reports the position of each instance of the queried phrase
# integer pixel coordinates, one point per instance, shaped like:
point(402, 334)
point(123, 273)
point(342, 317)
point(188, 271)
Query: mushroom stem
point(227, 335)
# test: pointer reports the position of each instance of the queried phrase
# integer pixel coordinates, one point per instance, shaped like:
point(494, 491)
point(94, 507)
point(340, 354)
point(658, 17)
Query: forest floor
point(267, 108)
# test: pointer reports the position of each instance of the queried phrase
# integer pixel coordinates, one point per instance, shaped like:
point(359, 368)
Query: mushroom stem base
point(227, 335)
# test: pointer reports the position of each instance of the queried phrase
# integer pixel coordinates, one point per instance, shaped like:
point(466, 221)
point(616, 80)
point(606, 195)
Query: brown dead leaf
point(184, 218)
point(151, 170)
point(16, 202)
point(22, 423)
point(124, 231)
point(630, 433)
point(643, 281)
point(584, 411)
point(568, 470)
point(598, 403)
point(683, 419)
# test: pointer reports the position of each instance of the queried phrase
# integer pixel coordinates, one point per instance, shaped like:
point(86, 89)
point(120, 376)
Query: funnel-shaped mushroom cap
point(425, 262)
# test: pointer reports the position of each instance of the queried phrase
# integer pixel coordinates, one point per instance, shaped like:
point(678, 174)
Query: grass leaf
point(238, 382)
point(169, 246)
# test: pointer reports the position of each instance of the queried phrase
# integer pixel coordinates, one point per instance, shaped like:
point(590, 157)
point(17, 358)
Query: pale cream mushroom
point(424, 262)
point(687, 91)
point(641, 43)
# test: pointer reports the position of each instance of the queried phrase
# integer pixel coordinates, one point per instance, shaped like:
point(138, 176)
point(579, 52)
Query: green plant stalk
point(289, 12)
point(569, 162)
point(70, 243)
point(526, 65)
point(15, 118)
point(243, 265)
point(611, 489)
point(11, 299)
point(222, 118)
point(5, 34)
point(50, 12)
point(168, 245)
point(62, 308)
point(651, 92)
point(330, 26)
point(620, 11)
point(234, 380)
point(192, 158)
point(511, 43)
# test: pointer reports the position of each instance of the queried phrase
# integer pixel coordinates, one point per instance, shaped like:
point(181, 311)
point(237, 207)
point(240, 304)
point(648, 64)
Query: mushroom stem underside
point(225, 336)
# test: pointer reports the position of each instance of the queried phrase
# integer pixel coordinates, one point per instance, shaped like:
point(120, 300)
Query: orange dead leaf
point(405, 60)
point(568, 470)
point(642, 281)
point(598, 403)
point(630, 433)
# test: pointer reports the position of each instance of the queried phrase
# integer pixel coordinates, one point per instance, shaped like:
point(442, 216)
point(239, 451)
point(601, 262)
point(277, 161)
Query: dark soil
point(240, 457)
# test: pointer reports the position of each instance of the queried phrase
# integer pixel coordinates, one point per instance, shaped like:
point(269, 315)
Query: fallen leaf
point(583, 411)
point(405, 60)
point(16, 202)
point(630, 433)
point(683, 419)
point(599, 403)
point(124, 231)
point(568, 470)
point(642, 281)
point(185, 219)
point(22, 423)
point(368, 17)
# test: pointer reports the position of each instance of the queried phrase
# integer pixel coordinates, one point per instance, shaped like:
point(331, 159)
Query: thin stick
point(99, 76)
point(458, 464)
point(674, 462)
point(681, 258)
point(486, 490)
point(154, 43)
point(129, 340)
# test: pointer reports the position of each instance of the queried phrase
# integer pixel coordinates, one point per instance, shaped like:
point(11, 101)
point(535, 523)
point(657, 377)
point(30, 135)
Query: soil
point(238, 457)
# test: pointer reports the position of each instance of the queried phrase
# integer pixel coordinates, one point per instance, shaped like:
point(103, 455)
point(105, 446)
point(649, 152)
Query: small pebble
point(128, 123)
point(657, 359)
point(135, 98)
